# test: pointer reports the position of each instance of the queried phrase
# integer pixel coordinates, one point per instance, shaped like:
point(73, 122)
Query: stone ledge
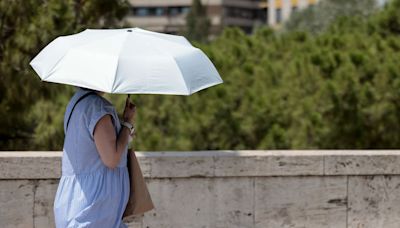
point(47, 165)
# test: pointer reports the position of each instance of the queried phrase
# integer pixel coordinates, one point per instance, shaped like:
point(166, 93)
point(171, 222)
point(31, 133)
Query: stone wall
point(233, 189)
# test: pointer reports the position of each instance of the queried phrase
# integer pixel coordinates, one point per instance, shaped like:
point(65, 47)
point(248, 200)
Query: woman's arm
point(108, 144)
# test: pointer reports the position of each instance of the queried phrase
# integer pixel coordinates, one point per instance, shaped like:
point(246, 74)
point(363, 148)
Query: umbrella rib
point(51, 71)
point(184, 80)
point(116, 68)
point(164, 52)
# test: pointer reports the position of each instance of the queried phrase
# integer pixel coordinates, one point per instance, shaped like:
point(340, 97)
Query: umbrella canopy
point(126, 61)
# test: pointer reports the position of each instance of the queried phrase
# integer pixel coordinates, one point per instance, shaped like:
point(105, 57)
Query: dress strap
point(69, 111)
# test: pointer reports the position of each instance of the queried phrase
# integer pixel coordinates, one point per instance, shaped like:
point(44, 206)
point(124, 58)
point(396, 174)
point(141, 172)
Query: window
point(185, 10)
point(159, 11)
point(142, 11)
point(240, 13)
point(173, 11)
point(262, 15)
point(278, 15)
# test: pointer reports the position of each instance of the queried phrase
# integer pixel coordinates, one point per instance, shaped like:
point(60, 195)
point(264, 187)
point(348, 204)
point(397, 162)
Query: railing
point(312, 188)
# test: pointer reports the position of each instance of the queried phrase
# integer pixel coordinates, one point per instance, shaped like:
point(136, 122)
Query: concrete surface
point(234, 189)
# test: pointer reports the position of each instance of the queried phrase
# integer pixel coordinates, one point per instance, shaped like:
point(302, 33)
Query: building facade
point(279, 11)
point(169, 16)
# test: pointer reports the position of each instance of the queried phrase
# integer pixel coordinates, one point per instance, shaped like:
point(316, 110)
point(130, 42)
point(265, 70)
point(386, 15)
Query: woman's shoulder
point(99, 103)
point(99, 107)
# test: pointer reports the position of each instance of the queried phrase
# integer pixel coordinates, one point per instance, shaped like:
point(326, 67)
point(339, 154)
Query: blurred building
point(169, 16)
point(279, 11)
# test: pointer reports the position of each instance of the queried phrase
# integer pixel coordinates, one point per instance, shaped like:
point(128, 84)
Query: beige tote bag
point(139, 198)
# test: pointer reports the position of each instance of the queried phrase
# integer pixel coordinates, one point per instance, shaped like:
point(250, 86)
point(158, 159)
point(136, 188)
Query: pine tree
point(318, 18)
point(197, 22)
point(25, 28)
point(339, 88)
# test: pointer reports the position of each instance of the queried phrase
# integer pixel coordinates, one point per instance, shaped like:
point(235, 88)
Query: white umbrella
point(126, 61)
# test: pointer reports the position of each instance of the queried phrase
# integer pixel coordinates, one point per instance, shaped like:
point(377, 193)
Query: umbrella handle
point(129, 98)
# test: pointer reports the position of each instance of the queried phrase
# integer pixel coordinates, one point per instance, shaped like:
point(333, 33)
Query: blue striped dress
point(89, 194)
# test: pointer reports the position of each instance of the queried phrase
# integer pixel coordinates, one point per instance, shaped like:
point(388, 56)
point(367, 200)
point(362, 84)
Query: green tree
point(338, 88)
point(28, 120)
point(197, 22)
point(318, 17)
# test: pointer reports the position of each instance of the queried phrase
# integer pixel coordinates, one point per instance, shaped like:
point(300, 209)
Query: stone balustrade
point(232, 189)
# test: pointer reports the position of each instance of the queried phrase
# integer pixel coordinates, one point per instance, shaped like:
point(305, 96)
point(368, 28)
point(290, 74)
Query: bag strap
point(73, 107)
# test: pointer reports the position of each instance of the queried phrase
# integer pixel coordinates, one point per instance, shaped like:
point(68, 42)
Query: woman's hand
point(129, 111)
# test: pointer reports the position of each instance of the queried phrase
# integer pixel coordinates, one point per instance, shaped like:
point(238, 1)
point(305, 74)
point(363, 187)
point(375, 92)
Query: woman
point(94, 186)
